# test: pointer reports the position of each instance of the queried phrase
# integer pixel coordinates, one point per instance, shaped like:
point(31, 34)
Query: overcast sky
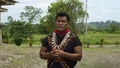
point(99, 10)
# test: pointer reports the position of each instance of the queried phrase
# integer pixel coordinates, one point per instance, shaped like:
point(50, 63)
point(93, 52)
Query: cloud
point(100, 13)
point(103, 10)
point(15, 10)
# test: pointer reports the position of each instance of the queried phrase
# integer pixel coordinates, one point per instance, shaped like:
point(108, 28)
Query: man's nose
point(60, 22)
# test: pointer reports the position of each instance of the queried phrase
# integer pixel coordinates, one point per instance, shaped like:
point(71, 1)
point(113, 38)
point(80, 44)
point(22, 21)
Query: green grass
point(94, 38)
point(36, 40)
point(38, 37)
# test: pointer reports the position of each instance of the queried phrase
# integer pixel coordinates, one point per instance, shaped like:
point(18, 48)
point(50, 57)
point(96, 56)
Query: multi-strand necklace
point(63, 42)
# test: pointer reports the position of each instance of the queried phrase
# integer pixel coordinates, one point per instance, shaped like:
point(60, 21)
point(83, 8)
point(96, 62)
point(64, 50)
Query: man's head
point(62, 21)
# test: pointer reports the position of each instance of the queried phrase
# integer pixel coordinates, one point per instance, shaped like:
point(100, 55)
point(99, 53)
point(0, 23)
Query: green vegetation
point(110, 39)
point(108, 26)
point(93, 39)
point(18, 41)
point(25, 28)
point(75, 12)
point(99, 33)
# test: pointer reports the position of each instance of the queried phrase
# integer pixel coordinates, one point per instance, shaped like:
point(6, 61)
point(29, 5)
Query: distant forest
point(108, 26)
point(104, 25)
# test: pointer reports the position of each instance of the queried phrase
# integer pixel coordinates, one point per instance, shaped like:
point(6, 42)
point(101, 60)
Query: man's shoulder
point(73, 35)
point(49, 35)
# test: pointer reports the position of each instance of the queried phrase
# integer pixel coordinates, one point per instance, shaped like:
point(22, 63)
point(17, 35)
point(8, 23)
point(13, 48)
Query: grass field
point(12, 56)
point(93, 39)
point(109, 39)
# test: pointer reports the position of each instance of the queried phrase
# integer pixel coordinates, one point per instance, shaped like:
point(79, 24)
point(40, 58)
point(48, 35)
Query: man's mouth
point(60, 27)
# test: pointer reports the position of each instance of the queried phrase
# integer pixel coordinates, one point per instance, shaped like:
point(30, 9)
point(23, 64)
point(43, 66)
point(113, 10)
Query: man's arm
point(46, 55)
point(72, 56)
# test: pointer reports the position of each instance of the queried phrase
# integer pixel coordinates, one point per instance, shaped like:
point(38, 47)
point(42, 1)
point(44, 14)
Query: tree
point(44, 26)
point(107, 26)
point(28, 32)
point(6, 30)
point(16, 31)
point(5, 33)
point(10, 18)
point(113, 27)
point(74, 8)
point(31, 14)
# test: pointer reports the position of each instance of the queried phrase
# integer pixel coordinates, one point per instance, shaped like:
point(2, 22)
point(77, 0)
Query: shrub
point(18, 41)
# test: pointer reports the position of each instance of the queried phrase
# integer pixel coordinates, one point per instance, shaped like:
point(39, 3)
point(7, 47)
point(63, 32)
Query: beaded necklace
point(62, 44)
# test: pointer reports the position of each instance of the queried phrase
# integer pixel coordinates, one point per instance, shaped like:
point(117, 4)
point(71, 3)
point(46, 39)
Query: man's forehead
point(61, 17)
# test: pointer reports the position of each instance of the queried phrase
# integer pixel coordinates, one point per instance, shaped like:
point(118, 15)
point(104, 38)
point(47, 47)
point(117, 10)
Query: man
point(62, 49)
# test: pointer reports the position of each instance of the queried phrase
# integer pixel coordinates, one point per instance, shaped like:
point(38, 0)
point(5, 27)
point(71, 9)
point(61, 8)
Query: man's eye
point(63, 21)
point(58, 20)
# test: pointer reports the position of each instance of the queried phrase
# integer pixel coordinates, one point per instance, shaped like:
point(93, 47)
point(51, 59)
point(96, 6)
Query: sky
point(98, 10)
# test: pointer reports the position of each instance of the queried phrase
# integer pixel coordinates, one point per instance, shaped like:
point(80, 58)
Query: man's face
point(61, 23)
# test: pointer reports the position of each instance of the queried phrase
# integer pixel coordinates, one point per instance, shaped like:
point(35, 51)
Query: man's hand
point(53, 54)
point(57, 52)
point(60, 53)
point(72, 56)
point(48, 55)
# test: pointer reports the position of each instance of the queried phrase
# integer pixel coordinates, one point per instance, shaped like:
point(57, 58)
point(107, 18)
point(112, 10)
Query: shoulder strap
point(49, 39)
point(72, 35)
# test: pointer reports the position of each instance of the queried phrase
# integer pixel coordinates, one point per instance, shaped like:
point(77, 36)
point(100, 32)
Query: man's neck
point(61, 33)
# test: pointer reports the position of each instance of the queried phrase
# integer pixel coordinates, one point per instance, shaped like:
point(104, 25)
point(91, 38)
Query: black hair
point(61, 14)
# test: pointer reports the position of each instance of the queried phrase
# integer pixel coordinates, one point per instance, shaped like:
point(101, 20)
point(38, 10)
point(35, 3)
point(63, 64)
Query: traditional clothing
point(65, 41)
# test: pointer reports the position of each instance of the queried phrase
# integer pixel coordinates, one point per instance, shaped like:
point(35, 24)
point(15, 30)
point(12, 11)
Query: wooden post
point(0, 31)
point(86, 38)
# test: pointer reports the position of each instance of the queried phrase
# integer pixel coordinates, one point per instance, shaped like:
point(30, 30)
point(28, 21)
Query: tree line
point(23, 29)
point(109, 26)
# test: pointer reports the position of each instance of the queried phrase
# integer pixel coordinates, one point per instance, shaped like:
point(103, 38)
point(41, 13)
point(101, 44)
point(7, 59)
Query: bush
point(18, 41)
